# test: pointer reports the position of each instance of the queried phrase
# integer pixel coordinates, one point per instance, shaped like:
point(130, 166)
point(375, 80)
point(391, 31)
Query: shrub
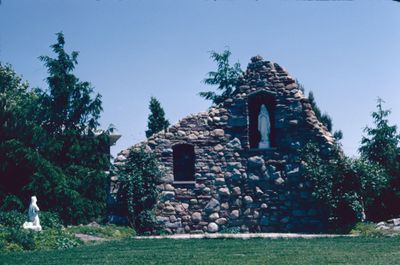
point(18, 239)
point(21, 237)
point(366, 229)
point(333, 185)
point(55, 239)
point(2, 241)
point(345, 187)
point(12, 247)
point(231, 230)
point(108, 231)
point(373, 180)
point(12, 219)
point(138, 191)
point(12, 202)
point(147, 221)
point(67, 242)
point(14, 238)
point(159, 231)
point(49, 220)
point(16, 219)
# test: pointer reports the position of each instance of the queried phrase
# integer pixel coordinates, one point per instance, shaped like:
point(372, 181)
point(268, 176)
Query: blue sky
point(346, 52)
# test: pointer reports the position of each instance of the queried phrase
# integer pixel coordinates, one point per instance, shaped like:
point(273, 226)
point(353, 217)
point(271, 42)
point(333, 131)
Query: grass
point(359, 250)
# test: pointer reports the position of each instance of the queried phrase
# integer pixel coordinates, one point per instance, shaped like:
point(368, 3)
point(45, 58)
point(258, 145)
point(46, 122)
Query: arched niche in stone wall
point(183, 162)
point(254, 103)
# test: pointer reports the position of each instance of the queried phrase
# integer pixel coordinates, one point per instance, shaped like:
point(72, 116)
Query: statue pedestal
point(264, 145)
point(32, 226)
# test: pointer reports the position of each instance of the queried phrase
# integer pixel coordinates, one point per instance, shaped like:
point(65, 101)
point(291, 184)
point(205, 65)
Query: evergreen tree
point(49, 146)
point(226, 77)
point(70, 116)
point(382, 142)
point(156, 121)
point(324, 118)
point(69, 101)
point(300, 86)
point(381, 145)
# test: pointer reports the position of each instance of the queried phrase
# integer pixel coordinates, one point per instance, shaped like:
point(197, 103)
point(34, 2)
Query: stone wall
point(235, 185)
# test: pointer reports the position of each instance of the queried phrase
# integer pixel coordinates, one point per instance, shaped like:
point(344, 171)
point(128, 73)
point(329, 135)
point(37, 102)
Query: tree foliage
point(49, 146)
point(332, 185)
point(156, 121)
point(68, 103)
point(381, 146)
point(225, 77)
point(138, 191)
point(324, 118)
point(373, 180)
point(18, 134)
point(347, 188)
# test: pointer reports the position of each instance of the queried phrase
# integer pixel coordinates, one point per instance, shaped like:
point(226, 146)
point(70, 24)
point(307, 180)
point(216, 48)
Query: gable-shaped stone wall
point(236, 184)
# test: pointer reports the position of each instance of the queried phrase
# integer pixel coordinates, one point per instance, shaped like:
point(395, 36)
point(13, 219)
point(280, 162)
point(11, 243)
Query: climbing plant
point(138, 191)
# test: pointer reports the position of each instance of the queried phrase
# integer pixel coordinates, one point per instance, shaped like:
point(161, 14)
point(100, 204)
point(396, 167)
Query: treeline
point(49, 143)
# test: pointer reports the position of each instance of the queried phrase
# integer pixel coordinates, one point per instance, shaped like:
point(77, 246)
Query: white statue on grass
point(264, 127)
point(33, 216)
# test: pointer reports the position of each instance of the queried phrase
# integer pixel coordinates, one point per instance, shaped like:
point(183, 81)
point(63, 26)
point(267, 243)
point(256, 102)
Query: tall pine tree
point(156, 121)
point(71, 110)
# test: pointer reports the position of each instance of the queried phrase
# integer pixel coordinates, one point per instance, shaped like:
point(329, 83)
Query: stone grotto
point(237, 165)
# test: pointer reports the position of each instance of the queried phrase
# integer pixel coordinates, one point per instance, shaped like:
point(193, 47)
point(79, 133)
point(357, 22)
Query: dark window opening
point(184, 160)
point(255, 102)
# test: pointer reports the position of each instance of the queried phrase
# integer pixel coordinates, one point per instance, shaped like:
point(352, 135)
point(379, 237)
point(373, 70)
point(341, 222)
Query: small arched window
point(184, 160)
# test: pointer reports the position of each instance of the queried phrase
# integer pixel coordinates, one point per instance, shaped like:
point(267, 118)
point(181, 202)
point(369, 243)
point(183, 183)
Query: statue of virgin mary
point(33, 216)
point(264, 127)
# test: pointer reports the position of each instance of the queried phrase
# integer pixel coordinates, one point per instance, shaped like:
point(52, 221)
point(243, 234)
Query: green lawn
point(221, 251)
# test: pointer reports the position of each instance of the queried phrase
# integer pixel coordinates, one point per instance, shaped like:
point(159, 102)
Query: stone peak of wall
point(270, 77)
point(260, 75)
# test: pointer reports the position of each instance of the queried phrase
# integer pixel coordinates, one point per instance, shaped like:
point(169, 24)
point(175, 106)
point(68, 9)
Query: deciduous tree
point(225, 77)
